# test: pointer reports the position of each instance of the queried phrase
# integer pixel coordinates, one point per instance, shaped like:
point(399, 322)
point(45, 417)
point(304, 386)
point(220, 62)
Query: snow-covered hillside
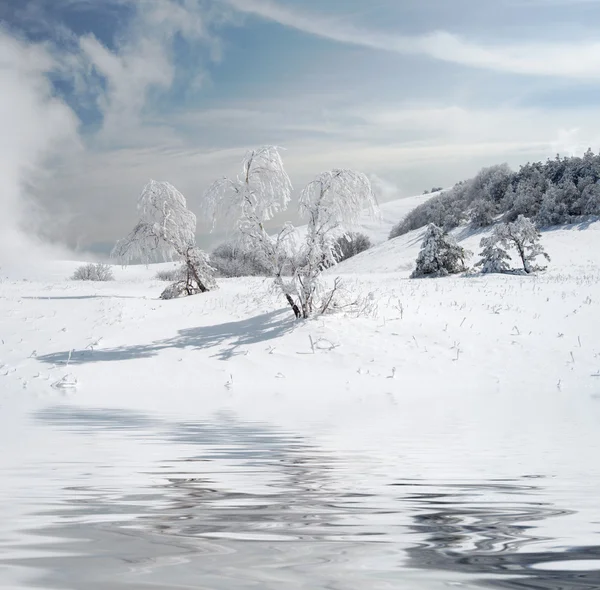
point(117, 340)
point(391, 213)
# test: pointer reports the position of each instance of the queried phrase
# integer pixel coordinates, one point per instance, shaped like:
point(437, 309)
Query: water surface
point(114, 499)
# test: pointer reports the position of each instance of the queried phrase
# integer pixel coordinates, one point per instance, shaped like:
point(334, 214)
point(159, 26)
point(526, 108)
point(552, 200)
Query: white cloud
point(129, 76)
point(579, 59)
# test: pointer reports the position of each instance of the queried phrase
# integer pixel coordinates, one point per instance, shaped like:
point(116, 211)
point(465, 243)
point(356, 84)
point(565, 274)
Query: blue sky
point(104, 94)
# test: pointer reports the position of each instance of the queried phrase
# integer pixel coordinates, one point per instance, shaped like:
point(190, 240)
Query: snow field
point(479, 334)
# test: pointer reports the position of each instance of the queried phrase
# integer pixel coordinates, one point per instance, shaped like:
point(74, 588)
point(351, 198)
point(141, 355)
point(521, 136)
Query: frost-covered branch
point(245, 204)
point(253, 198)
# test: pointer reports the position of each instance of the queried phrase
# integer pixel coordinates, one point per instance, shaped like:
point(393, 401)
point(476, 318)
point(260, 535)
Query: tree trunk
point(521, 251)
point(288, 297)
point(192, 275)
point(293, 305)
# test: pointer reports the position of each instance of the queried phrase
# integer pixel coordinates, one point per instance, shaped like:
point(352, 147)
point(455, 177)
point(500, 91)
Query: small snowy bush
point(230, 260)
point(351, 244)
point(93, 272)
point(440, 255)
point(170, 275)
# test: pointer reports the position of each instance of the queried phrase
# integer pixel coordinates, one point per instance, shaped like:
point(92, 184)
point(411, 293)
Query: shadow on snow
point(233, 335)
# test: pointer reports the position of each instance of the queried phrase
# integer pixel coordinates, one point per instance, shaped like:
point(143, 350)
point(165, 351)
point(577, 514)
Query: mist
point(37, 131)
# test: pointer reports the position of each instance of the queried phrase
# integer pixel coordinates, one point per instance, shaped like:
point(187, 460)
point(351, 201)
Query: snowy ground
point(457, 367)
point(488, 333)
point(430, 345)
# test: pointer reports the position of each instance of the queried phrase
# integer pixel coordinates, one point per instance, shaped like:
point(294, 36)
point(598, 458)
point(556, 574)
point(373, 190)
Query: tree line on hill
point(561, 190)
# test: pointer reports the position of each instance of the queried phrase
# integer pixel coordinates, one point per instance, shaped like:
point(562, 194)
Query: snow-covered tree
point(482, 213)
point(332, 205)
point(590, 199)
point(494, 258)
point(165, 231)
point(440, 255)
point(524, 236)
point(247, 202)
point(554, 206)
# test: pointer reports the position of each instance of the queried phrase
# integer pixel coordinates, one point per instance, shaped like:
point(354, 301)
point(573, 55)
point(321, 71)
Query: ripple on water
point(138, 501)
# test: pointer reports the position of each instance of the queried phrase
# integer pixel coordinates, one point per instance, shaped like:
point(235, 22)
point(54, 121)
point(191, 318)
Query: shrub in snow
point(331, 204)
point(233, 260)
point(440, 255)
point(170, 275)
point(197, 276)
point(174, 290)
point(166, 230)
point(93, 272)
point(350, 245)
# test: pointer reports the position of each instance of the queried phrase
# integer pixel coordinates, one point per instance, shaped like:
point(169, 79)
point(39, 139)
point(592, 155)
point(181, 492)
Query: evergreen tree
point(494, 258)
point(440, 255)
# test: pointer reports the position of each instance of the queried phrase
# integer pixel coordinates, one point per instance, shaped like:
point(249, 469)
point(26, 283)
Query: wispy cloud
point(142, 60)
point(579, 59)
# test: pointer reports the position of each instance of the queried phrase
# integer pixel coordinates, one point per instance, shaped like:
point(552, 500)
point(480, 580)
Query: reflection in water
point(469, 536)
point(245, 506)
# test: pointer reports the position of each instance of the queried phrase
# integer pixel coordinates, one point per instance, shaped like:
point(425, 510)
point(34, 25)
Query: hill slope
point(568, 246)
point(391, 213)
